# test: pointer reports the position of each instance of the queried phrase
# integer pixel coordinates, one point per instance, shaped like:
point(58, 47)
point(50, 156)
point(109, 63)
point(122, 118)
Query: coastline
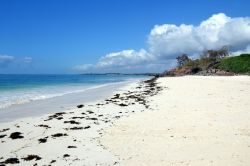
point(71, 136)
point(197, 120)
point(68, 101)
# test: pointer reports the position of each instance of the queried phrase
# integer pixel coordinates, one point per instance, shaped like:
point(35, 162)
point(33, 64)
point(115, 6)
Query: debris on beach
point(3, 130)
point(87, 127)
point(123, 105)
point(92, 119)
point(59, 135)
point(90, 112)
point(71, 122)
point(66, 155)
point(57, 116)
point(78, 124)
point(32, 157)
point(74, 128)
point(2, 136)
point(16, 135)
point(45, 126)
point(80, 106)
point(11, 161)
point(43, 140)
point(78, 117)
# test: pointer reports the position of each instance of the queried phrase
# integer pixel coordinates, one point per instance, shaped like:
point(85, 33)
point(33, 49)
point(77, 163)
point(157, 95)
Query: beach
point(196, 121)
point(71, 136)
point(190, 120)
point(124, 83)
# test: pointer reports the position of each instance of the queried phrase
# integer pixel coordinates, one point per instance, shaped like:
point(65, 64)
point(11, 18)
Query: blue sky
point(54, 36)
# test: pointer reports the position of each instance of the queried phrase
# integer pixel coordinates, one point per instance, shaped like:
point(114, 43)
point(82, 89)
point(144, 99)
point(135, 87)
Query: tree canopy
point(182, 60)
point(216, 54)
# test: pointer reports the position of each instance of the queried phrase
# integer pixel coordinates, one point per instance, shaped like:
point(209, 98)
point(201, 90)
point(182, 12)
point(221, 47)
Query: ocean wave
point(8, 99)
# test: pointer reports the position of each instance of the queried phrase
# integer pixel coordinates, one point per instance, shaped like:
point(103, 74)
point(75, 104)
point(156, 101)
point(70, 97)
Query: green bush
point(238, 64)
point(202, 63)
point(193, 63)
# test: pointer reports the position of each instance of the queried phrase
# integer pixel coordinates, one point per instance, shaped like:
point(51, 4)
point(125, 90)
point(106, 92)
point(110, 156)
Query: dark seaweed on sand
point(66, 155)
point(11, 161)
point(87, 127)
point(16, 135)
point(78, 117)
point(3, 130)
point(71, 122)
point(32, 157)
point(92, 119)
point(45, 126)
point(80, 106)
point(59, 135)
point(2, 136)
point(43, 140)
point(57, 116)
point(75, 128)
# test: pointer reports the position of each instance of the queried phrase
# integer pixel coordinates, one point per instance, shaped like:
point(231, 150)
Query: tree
point(223, 52)
point(182, 60)
point(216, 54)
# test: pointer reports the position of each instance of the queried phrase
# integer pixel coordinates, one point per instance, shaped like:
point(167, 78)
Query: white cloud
point(219, 30)
point(11, 61)
point(27, 59)
point(83, 67)
point(5, 60)
point(167, 41)
point(123, 60)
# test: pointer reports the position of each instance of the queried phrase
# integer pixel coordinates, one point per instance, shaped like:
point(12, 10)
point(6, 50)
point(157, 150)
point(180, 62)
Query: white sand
point(192, 121)
point(86, 151)
point(196, 121)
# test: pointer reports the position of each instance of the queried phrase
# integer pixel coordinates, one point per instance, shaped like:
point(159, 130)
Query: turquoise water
point(18, 89)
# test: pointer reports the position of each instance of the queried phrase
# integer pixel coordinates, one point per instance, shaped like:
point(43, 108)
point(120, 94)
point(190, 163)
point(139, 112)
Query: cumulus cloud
point(5, 60)
point(167, 41)
point(123, 60)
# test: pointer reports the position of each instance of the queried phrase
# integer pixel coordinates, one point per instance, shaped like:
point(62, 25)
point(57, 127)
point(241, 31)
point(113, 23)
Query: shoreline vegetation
point(211, 62)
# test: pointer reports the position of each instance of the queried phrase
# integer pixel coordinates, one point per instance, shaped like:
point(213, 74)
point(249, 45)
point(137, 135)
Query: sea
point(19, 89)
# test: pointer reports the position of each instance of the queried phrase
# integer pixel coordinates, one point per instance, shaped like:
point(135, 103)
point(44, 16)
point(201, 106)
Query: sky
point(128, 36)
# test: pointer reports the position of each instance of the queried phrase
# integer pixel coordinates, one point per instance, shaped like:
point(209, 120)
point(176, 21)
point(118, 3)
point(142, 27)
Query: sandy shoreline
point(70, 137)
point(39, 108)
point(169, 121)
point(196, 121)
